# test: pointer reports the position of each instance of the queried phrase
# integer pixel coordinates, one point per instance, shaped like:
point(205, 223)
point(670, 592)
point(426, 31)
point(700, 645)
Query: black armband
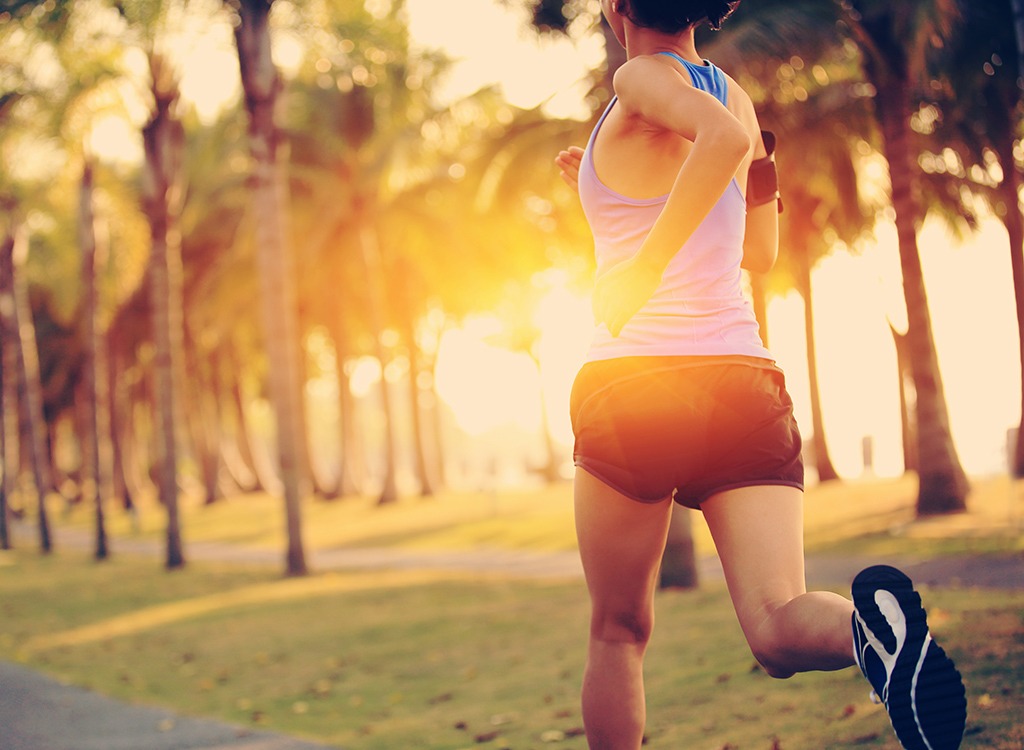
point(763, 178)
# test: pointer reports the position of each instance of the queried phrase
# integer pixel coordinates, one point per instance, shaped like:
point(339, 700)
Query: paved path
point(823, 569)
point(37, 713)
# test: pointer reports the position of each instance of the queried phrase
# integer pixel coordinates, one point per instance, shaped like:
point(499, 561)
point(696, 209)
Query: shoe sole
point(926, 698)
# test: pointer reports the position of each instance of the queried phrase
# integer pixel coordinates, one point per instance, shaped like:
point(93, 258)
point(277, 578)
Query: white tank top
point(699, 308)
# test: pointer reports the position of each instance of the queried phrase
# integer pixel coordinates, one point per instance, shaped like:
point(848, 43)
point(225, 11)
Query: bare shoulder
point(742, 106)
point(739, 100)
point(643, 81)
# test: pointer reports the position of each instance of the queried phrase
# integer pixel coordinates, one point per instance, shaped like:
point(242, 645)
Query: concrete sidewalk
point(38, 713)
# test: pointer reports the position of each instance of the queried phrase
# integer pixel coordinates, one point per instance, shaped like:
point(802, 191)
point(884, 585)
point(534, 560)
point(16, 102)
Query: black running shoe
point(910, 673)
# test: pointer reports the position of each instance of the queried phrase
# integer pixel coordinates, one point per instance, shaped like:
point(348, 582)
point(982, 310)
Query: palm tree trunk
point(549, 471)
point(247, 473)
point(201, 421)
point(95, 378)
point(416, 411)
point(348, 444)
point(5, 484)
point(679, 562)
point(119, 455)
point(819, 447)
point(908, 431)
point(8, 401)
point(164, 140)
point(1013, 220)
point(943, 484)
point(261, 84)
point(370, 252)
point(29, 385)
point(1018, 28)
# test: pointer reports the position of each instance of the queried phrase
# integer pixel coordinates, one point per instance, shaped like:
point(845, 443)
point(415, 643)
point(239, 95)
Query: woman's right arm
point(761, 240)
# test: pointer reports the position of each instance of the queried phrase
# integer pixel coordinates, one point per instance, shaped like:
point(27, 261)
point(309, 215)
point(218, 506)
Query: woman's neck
point(641, 41)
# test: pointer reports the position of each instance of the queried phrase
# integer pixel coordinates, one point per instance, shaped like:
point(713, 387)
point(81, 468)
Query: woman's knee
point(622, 626)
point(772, 665)
point(771, 649)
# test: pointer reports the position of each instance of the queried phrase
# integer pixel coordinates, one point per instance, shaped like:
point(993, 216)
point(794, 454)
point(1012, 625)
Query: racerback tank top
point(699, 308)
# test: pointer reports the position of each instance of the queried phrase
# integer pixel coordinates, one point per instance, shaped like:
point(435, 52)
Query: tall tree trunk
point(549, 471)
point(370, 251)
point(15, 252)
point(8, 396)
point(242, 462)
point(1015, 229)
point(348, 444)
point(119, 455)
point(679, 563)
point(201, 420)
point(94, 387)
point(908, 429)
point(311, 467)
point(416, 411)
point(819, 446)
point(164, 142)
point(261, 84)
point(943, 484)
point(1017, 7)
point(5, 483)
point(1013, 220)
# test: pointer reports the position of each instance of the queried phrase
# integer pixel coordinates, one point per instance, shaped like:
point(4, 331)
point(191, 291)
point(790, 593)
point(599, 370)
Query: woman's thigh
point(758, 532)
point(621, 543)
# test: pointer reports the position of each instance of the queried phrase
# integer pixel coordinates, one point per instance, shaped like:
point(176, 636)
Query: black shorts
point(688, 427)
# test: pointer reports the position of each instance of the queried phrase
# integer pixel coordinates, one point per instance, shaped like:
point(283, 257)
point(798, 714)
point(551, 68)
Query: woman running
point(680, 401)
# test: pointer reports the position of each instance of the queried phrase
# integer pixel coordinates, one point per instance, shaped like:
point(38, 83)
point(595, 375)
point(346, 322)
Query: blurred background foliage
point(401, 215)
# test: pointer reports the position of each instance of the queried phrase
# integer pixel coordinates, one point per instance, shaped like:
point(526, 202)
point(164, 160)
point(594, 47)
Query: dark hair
point(672, 16)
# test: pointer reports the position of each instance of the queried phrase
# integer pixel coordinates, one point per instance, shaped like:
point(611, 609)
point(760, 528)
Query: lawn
point(432, 659)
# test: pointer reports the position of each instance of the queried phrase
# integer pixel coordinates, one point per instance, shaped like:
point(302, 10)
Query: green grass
point(400, 659)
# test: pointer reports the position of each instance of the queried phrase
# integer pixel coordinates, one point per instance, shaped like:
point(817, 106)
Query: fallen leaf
point(486, 737)
point(552, 735)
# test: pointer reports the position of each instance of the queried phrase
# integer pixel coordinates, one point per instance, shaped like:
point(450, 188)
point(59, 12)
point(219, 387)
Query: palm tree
point(977, 113)
point(262, 85)
point(94, 369)
point(14, 249)
point(164, 141)
point(8, 400)
point(895, 41)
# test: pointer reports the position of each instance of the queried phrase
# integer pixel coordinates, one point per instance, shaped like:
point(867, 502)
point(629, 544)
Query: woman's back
point(627, 172)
